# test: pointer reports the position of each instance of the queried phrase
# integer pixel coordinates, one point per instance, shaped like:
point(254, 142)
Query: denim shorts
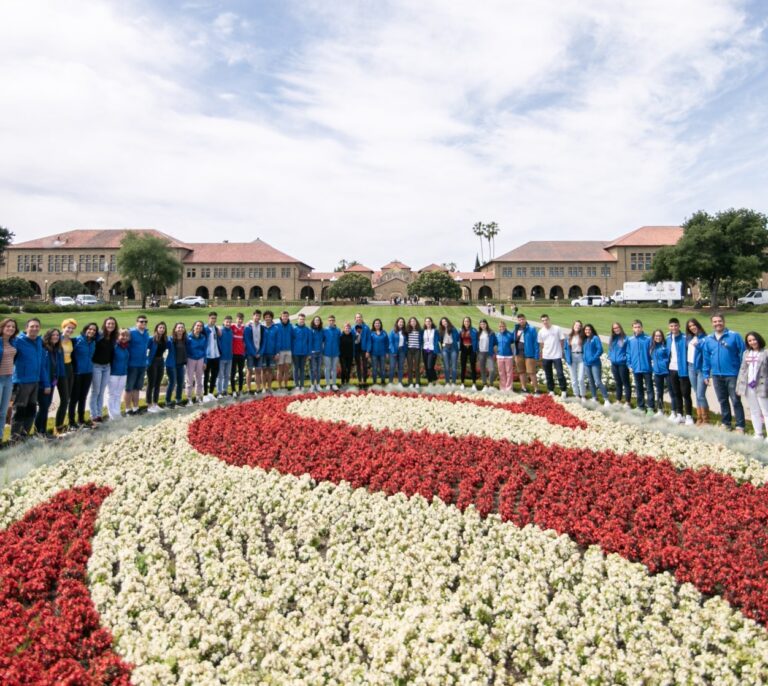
point(135, 379)
point(253, 361)
point(267, 361)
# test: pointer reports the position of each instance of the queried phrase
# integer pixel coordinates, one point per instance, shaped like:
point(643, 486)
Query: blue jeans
point(450, 364)
point(98, 388)
point(658, 381)
point(331, 365)
point(698, 386)
point(577, 374)
point(315, 363)
point(6, 389)
point(299, 370)
point(725, 389)
point(644, 384)
point(549, 374)
point(595, 380)
point(397, 362)
point(175, 382)
point(222, 380)
point(623, 386)
point(379, 368)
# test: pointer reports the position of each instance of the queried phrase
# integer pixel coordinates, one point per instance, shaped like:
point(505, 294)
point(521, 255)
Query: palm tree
point(491, 231)
point(479, 231)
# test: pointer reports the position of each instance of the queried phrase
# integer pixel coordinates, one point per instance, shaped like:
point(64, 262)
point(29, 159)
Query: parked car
point(191, 301)
point(759, 296)
point(64, 300)
point(86, 299)
point(591, 301)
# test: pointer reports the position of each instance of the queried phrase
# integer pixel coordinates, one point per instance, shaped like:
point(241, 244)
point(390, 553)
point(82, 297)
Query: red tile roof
point(361, 268)
point(474, 276)
point(321, 276)
point(238, 253)
point(91, 239)
point(649, 236)
point(395, 265)
point(558, 251)
point(433, 268)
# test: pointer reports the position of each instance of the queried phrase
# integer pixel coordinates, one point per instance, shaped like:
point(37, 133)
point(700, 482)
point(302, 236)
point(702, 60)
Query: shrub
point(46, 308)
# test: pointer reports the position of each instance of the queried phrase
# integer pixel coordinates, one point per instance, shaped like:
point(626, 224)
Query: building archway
point(575, 292)
point(92, 287)
point(220, 292)
point(518, 293)
point(307, 292)
point(466, 294)
point(256, 293)
point(238, 293)
point(35, 287)
point(594, 290)
point(485, 293)
point(324, 294)
point(273, 293)
point(202, 292)
point(537, 293)
point(556, 293)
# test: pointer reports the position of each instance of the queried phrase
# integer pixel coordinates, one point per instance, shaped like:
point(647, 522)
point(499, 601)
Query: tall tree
point(148, 261)
point(6, 237)
point(435, 285)
point(479, 231)
point(450, 266)
point(68, 287)
point(477, 263)
point(732, 244)
point(15, 287)
point(491, 231)
point(351, 287)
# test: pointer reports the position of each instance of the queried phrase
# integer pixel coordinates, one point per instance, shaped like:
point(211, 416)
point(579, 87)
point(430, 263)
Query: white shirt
point(551, 341)
point(673, 354)
point(429, 339)
point(692, 349)
point(212, 351)
point(482, 342)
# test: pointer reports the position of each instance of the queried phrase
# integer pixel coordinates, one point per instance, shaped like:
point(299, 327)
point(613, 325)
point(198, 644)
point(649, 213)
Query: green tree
point(450, 266)
point(477, 263)
point(436, 286)
point(68, 287)
point(351, 286)
point(148, 261)
point(730, 245)
point(343, 265)
point(15, 287)
point(6, 237)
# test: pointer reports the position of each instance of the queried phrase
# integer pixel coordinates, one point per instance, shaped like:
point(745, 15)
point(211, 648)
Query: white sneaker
point(673, 417)
point(551, 394)
point(564, 394)
point(473, 387)
point(151, 409)
point(659, 413)
point(334, 387)
point(689, 421)
point(606, 402)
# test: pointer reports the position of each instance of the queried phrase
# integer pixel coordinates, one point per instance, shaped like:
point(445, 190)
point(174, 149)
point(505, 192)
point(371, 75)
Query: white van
point(759, 296)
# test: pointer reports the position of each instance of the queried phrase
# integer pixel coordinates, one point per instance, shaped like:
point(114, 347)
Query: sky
point(379, 130)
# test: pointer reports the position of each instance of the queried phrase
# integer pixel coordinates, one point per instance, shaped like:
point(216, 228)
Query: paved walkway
point(307, 311)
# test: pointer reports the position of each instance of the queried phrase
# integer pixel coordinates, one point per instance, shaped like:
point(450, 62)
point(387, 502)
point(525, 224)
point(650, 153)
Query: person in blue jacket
point(593, 350)
point(679, 383)
point(379, 352)
point(722, 359)
point(29, 374)
point(639, 361)
point(617, 354)
point(269, 352)
point(9, 329)
point(196, 345)
point(118, 373)
point(53, 357)
point(468, 351)
point(331, 336)
point(137, 364)
point(660, 366)
point(504, 342)
point(301, 342)
point(398, 350)
point(430, 349)
point(526, 353)
point(449, 345)
point(226, 338)
point(694, 345)
point(176, 365)
point(315, 353)
point(82, 362)
point(212, 334)
point(284, 332)
point(362, 349)
point(253, 337)
point(158, 346)
point(413, 341)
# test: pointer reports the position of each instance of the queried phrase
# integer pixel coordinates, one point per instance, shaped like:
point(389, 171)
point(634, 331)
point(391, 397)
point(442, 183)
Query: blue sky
point(380, 130)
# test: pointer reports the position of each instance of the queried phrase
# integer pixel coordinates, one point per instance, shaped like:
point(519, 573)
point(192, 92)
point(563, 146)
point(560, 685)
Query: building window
point(285, 272)
point(575, 271)
point(506, 272)
point(271, 272)
point(538, 271)
point(205, 272)
point(220, 272)
point(238, 272)
point(29, 263)
point(61, 263)
point(191, 272)
point(648, 260)
point(522, 271)
point(255, 273)
point(591, 271)
point(556, 271)
point(113, 263)
point(605, 271)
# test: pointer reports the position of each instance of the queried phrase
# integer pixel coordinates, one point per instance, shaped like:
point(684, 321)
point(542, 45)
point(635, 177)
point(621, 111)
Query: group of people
point(108, 365)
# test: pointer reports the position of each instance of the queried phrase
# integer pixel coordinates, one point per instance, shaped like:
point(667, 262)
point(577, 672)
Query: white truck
point(758, 296)
point(641, 291)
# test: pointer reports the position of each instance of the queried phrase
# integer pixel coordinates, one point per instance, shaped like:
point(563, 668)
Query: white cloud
point(396, 126)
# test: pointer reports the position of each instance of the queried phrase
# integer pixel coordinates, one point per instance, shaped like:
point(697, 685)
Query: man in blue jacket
point(722, 353)
point(137, 364)
point(362, 349)
point(679, 383)
point(284, 340)
point(212, 356)
point(526, 352)
point(331, 336)
point(639, 363)
point(29, 375)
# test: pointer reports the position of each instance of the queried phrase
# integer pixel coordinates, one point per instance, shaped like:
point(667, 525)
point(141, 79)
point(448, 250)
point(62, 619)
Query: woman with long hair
point(468, 351)
point(660, 366)
point(486, 341)
point(196, 343)
point(82, 361)
point(505, 357)
point(102, 362)
point(398, 350)
point(118, 374)
point(694, 336)
point(574, 356)
point(316, 353)
point(176, 365)
point(379, 352)
point(9, 329)
point(593, 350)
point(449, 344)
point(617, 354)
point(158, 345)
point(65, 383)
point(430, 349)
point(54, 359)
point(752, 381)
point(413, 337)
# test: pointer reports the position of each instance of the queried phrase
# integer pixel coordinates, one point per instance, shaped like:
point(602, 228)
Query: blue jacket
point(137, 348)
point(639, 353)
point(207, 331)
point(285, 333)
point(365, 337)
point(567, 350)
point(530, 341)
point(55, 366)
point(436, 347)
point(196, 346)
point(505, 343)
point(119, 365)
point(394, 341)
point(723, 357)
point(454, 336)
point(315, 340)
point(152, 349)
point(379, 343)
point(698, 355)
point(492, 341)
point(270, 338)
point(331, 336)
point(681, 345)
point(660, 360)
point(472, 337)
point(301, 340)
point(592, 349)
point(13, 345)
point(617, 350)
point(250, 348)
point(225, 342)
point(82, 355)
point(28, 364)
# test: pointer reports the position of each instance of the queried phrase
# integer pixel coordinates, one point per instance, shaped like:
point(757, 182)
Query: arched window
point(537, 292)
point(238, 293)
point(35, 287)
point(594, 290)
point(202, 292)
point(575, 292)
point(220, 292)
point(273, 293)
point(307, 292)
point(256, 293)
point(518, 293)
point(485, 293)
point(92, 287)
point(556, 293)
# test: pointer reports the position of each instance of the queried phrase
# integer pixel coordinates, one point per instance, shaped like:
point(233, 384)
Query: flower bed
point(210, 569)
